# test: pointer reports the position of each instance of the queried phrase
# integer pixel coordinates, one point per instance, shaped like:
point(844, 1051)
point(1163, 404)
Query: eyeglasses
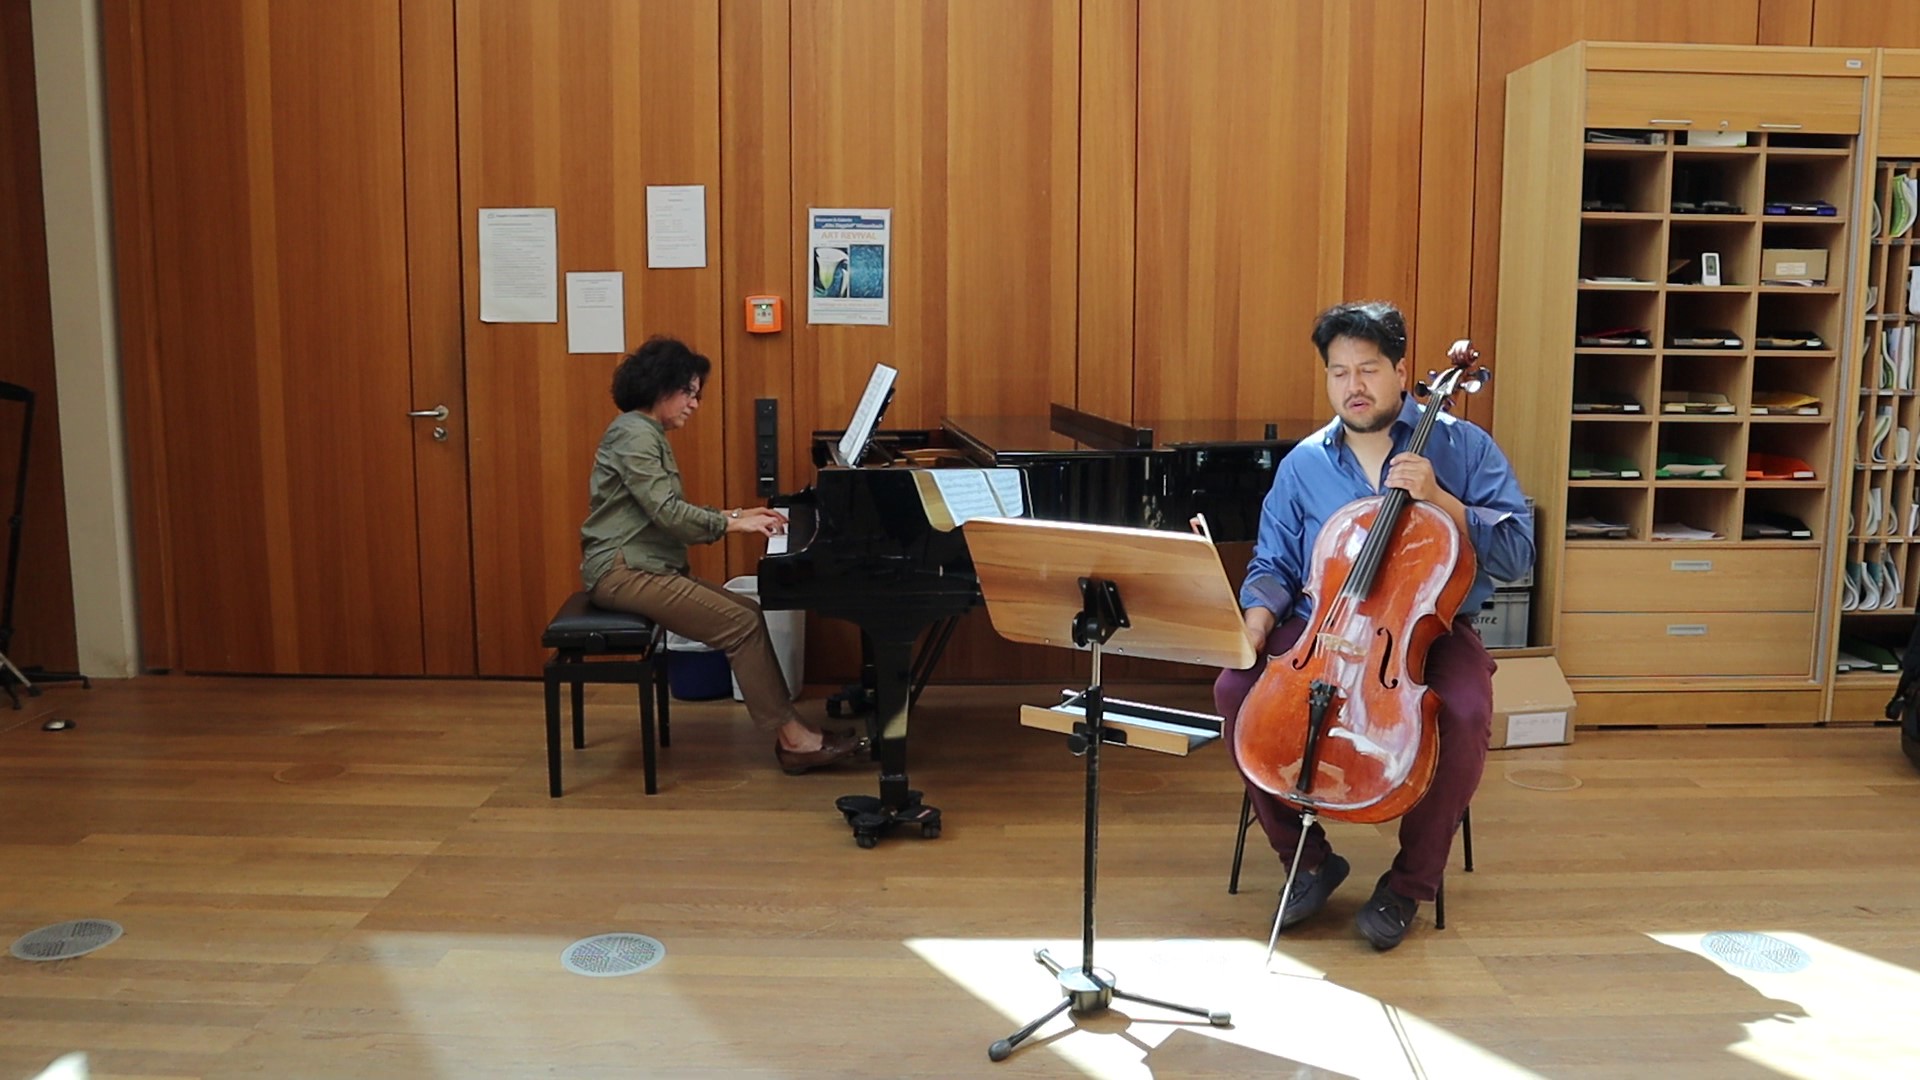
point(693, 391)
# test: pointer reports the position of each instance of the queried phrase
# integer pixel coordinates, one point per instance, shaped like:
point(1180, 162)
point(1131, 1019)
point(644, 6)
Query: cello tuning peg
point(1473, 385)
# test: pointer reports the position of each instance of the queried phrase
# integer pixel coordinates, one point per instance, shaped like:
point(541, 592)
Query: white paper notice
point(1006, 488)
point(849, 258)
point(967, 494)
point(597, 312)
point(1536, 729)
point(519, 266)
point(676, 225)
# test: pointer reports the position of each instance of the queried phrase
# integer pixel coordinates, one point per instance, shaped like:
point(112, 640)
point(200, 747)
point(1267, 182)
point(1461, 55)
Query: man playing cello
point(1361, 453)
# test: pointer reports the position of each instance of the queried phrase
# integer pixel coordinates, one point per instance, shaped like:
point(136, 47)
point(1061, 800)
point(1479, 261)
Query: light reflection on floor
point(1287, 1021)
point(1859, 1012)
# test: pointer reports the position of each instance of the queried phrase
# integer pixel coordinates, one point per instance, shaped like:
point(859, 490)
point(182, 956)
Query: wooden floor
point(367, 879)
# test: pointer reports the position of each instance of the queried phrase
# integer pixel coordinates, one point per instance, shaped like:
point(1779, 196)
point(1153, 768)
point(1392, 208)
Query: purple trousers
point(1461, 672)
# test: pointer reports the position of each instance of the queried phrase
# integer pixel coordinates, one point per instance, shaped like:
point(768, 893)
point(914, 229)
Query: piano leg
point(870, 817)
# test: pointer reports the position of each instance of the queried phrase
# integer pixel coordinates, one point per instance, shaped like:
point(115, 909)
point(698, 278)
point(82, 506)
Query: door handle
point(438, 412)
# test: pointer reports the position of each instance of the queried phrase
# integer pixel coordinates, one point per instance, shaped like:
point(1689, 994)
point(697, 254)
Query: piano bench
point(579, 631)
point(1440, 895)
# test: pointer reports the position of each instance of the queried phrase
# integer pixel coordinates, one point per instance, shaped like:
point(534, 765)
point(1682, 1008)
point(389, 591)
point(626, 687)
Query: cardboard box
point(1532, 704)
point(1793, 264)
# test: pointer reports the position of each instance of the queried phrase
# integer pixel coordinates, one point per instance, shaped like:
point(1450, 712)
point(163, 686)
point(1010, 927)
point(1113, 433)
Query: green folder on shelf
point(1589, 465)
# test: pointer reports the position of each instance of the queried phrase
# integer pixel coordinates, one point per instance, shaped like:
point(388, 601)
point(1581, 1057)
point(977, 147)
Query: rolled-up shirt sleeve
point(1274, 574)
point(656, 488)
point(1499, 524)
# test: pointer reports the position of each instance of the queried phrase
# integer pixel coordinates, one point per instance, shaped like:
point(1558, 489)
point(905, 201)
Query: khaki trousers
point(714, 617)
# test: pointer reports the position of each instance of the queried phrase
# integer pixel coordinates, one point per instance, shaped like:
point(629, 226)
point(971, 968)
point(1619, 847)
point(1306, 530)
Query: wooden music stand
point(1134, 592)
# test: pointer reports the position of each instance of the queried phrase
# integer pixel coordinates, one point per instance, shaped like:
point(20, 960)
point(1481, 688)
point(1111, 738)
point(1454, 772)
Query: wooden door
point(579, 107)
point(274, 220)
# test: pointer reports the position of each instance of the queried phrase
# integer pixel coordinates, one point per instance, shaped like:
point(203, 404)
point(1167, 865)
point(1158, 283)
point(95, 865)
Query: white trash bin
point(788, 631)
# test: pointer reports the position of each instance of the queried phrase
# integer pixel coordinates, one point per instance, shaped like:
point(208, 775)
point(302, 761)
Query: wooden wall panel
point(439, 364)
point(1866, 23)
point(1449, 141)
point(43, 606)
point(1109, 56)
point(578, 107)
point(964, 121)
point(1278, 175)
point(1785, 22)
point(275, 355)
point(758, 239)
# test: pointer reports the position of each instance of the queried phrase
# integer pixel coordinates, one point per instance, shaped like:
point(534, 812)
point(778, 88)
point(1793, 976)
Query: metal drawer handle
point(1783, 127)
point(1691, 566)
point(1686, 630)
point(1681, 122)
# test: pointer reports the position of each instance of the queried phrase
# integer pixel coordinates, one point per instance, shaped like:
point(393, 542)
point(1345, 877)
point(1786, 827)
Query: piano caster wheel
point(930, 831)
point(866, 840)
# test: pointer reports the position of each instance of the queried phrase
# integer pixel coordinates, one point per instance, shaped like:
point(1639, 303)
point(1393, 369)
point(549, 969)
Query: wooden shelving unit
point(1604, 301)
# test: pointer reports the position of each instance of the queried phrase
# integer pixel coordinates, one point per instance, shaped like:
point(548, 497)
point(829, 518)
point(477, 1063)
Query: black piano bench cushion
point(580, 627)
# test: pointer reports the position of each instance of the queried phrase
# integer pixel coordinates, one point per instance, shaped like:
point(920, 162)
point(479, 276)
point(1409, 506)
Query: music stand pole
point(1186, 612)
point(1088, 989)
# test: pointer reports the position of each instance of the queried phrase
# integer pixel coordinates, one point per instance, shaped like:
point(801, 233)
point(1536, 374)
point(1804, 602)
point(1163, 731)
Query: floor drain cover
point(63, 941)
point(1542, 779)
point(1757, 952)
point(606, 955)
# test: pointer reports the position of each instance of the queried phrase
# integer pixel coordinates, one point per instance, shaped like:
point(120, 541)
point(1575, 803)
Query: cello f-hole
point(1386, 660)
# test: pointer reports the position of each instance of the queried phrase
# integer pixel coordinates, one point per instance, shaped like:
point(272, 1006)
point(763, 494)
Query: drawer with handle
point(1686, 643)
point(1716, 579)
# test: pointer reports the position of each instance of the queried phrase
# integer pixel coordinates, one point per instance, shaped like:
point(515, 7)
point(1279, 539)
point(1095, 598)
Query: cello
point(1342, 725)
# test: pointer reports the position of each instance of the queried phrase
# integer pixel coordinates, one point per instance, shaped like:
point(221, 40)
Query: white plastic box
point(788, 629)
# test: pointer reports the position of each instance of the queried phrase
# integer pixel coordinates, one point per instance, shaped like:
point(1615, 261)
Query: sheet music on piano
point(953, 497)
point(866, 416)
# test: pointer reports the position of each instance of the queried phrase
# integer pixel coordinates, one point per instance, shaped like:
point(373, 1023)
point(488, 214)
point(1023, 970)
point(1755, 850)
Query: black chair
point(1439, 896)
point(579, 631)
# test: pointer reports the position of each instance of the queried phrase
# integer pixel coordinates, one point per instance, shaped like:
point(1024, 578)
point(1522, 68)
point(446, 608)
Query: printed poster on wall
point(848, 261)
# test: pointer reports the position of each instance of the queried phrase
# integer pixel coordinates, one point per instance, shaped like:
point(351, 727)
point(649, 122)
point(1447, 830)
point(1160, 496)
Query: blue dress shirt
point(1321, 475)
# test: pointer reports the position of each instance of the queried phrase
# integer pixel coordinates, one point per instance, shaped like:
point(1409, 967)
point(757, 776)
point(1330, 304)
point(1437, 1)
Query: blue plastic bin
point(696, 672)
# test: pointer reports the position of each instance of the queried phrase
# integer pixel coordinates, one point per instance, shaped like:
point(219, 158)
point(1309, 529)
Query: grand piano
point(862, 547)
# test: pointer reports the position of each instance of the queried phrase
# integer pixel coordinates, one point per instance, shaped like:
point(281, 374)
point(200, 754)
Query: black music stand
point(12, 677)
point(1133, 592)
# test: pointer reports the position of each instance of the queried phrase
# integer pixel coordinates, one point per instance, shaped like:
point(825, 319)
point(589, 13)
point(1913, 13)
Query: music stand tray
point(1132, 592)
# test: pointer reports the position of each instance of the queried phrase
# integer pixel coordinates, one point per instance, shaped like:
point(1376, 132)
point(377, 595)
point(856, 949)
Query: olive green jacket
point(635, 506)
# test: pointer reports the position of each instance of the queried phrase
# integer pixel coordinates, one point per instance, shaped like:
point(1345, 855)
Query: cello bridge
point(1341, 646)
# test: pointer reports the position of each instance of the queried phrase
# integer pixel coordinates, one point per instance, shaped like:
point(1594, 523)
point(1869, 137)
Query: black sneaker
point(1311, 888)
point(1385, 917)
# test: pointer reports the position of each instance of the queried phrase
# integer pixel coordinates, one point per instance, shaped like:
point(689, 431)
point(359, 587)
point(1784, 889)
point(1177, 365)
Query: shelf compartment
point(1735, 242)
point(1693, 313)
point(1790, 373)
point(1611, 451)
point(1714, 509)
point(1704, 179)
point(1806, 444)
point(1614, 377)
point(1767, 510)
point(1723, 442)
point(1800, 178)
point(1621, 249)
point(1622, 505)
point(1800, 311)
point(1629, 183)
point(1700, 378)
point(1596, 312)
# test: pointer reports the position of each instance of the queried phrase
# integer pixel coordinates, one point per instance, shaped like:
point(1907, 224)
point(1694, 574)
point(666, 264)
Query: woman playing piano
point(634, 544)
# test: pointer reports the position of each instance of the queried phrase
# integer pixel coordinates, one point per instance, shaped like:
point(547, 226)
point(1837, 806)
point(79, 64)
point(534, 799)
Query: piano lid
point(1068, 431)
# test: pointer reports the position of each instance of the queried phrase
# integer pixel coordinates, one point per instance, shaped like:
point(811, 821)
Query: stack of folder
point(1696, 402)
point(1772, 525)
point(1859, 654)
point(1785, 403)
point(1872, 584)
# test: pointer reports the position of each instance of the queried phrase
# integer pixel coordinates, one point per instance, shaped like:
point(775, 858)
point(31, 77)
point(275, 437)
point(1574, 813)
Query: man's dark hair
point(1369, 320)
point(655, 370)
